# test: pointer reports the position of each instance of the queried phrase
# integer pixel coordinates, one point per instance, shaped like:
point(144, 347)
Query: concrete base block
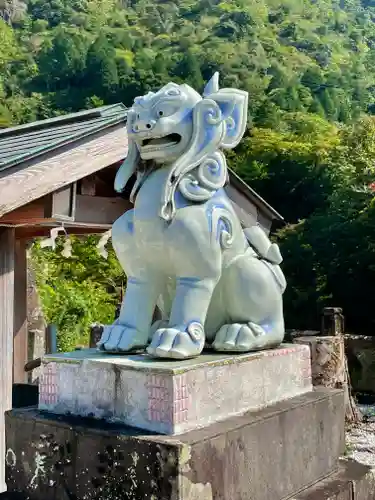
point(270, 454)
point(353, 481)
point(171, 397)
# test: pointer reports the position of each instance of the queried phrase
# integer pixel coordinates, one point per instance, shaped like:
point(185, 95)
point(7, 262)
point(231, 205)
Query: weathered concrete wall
point(353, 481)
point(266, 455)
point(360, 353)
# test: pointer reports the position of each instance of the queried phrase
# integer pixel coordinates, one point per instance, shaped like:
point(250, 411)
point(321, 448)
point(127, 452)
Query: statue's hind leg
point(254, 302)
point(246, 337)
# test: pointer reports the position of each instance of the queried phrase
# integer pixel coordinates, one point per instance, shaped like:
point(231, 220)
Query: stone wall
point(360, 353)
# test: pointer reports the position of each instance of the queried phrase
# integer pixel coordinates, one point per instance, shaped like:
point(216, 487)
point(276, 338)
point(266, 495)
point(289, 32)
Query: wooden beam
point(100, 210)
point(88, 186)
point(20, 341)
point(104, 180)
point(28, 214)
point(60, 204)
point(264, 221)
point(44, 231)
point(7, 242)
point(48, 173)
point(244, 208)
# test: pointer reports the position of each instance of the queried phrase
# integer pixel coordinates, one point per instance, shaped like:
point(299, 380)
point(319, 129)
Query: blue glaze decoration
point(225, 108)
point(180, 201)
point(222, 225)
point(209, 212)
point(130, 226)
point(236, 116)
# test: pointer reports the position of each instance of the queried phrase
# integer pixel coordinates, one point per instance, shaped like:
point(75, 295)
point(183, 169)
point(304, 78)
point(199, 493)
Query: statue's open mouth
point(160, 142)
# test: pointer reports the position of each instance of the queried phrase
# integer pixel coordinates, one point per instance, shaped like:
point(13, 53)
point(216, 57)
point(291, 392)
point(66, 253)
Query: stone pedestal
point(270, 454)
point(171, 397)
point(352, 481)
point(246, 427)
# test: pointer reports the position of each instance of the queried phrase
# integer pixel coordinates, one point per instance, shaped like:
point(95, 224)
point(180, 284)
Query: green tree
point(77, 291)
point(8, 44)
point(313, 79)
point(329, 257)
point(62, 61)
point(189, 69)
point(329, 105)
point(295, 179)
point(101, 76)
point(306, 66)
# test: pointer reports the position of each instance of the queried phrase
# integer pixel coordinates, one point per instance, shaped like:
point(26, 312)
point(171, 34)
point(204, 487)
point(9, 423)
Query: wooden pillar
point(20, 343)
point(7, 242)
point(51, 339)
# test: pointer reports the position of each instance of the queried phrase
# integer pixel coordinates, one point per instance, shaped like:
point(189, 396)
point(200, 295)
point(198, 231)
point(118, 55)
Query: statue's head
point(179, 127)
point(160, 124)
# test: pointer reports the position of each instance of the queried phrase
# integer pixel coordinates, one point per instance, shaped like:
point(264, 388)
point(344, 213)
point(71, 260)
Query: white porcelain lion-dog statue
point(182, 246)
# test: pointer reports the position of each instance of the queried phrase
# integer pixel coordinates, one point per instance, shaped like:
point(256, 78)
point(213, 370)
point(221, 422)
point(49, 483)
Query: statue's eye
point(161, 113)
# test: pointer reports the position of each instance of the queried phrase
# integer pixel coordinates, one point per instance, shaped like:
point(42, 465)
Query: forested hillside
point(292, 55)
point(308, 66)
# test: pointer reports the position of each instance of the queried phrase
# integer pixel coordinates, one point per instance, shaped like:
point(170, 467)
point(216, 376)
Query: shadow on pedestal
point(24, 395)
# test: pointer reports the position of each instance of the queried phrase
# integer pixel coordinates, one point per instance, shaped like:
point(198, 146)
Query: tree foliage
point(77, 291)
point(300, 56)
point(330, 255)
point(309, 150)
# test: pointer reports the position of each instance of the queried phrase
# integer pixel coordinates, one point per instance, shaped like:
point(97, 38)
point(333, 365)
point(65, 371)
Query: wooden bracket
point(61, 204)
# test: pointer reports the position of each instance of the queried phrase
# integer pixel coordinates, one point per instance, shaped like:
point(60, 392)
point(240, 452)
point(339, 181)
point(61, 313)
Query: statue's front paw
point(178, 342)
point(119, 338)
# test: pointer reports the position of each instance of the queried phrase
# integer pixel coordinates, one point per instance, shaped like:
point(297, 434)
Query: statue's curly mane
point(219, 122)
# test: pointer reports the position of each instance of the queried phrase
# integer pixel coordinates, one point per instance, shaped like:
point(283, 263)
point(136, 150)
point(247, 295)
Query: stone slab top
point(143, 362)
point(190, 437)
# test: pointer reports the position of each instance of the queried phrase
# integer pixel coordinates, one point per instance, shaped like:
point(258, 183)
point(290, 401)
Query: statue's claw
point(177, 342)
point(240, 338)
point(122, 338)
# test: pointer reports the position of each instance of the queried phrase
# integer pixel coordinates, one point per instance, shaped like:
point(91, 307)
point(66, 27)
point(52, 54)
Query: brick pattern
point(181, 400)
point(280, 352)
point(159, 399)
point(306, 367)
point(48, 385)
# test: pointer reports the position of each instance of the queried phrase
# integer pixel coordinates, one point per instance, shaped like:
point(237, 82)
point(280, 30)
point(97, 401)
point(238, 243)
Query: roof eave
point(253, 195)
point(63, 119)
point(56, 146)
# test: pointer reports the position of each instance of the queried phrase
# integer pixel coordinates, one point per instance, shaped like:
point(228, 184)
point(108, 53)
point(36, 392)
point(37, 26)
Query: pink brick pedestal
point(172, 397)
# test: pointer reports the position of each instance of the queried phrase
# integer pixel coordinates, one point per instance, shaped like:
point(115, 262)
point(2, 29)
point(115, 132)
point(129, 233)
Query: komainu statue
point(182, 246)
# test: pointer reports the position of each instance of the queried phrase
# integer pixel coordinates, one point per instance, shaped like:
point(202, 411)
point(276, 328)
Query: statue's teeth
point(159, 143)
point(160, 140)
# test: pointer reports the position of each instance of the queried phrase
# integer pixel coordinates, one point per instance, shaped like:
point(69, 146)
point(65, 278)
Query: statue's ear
point(212, 86)
point(233, 104)
point(128, 167)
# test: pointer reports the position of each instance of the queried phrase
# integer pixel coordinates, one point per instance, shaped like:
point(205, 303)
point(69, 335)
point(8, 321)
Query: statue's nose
point(143, 125)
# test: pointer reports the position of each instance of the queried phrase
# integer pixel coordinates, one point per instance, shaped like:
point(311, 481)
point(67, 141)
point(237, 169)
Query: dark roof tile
point(18, 144)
